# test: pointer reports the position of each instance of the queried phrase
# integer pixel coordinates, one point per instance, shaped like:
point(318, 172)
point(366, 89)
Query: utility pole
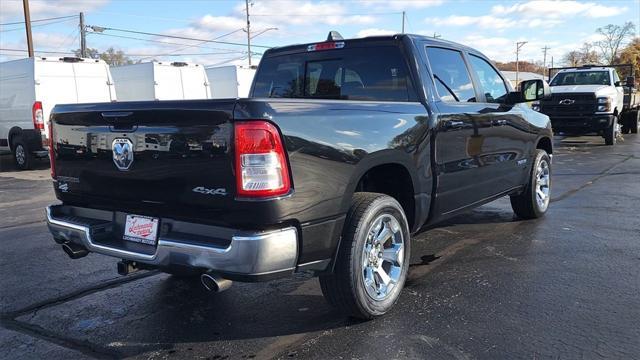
point(403, 22)
point(544, 62)
point(519, 44)
point(436, 35)
point(246, 2)
point(27, 26)
point(83, 37)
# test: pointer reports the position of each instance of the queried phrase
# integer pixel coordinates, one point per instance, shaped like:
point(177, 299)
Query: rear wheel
point(611, 134)
point(22, 156)
point(634, 121)
point(373, 258)
point(534, 201)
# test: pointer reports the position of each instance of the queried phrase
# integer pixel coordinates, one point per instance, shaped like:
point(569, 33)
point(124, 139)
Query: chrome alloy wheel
point(382, 257)
point(543, 185)
point(21, 155)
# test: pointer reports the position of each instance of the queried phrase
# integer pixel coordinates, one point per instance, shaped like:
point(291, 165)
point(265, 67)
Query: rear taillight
point(261, 164)
point(38, 116)
point(52, 160)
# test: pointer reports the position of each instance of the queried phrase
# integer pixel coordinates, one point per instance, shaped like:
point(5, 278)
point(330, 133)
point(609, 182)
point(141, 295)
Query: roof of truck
point(380, 38)
point(586, 68)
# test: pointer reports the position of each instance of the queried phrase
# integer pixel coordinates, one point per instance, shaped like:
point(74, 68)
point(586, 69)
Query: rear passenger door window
point(493, 87)
point(451, 76)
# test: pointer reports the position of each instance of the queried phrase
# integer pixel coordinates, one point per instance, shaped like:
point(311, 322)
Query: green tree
point(111, 56)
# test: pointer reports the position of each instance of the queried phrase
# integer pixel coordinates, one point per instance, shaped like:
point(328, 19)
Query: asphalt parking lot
point(483, 285)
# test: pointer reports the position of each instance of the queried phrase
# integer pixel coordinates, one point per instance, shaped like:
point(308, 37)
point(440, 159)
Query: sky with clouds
point(492, 27)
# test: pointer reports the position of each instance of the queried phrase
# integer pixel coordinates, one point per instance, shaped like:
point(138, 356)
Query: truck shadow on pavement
point(153, 312)
point(7, 164)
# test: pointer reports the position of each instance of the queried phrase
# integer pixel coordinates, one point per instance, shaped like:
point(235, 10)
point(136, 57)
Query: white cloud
point(401, 4)
point(374, 32)
point(543, 23)
point(47, 40)
point(485, 21)
point(302, 13)
point(558, 9)
point(45, 8)
point(220, 23)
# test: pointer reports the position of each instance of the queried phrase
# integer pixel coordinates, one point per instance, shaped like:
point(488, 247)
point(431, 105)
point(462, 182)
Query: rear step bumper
point(239, 254)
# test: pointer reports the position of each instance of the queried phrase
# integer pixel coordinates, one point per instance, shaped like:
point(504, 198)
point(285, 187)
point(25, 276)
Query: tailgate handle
point(117, 116)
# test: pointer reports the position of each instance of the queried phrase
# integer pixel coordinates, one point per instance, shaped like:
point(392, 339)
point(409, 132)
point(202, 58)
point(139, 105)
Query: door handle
point(453, 124)
point(499, 122)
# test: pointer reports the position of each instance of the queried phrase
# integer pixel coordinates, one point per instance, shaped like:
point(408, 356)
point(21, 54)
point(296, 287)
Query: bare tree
point(572, 58)
point(588, 55)
point(115, 57)
point(613, 37)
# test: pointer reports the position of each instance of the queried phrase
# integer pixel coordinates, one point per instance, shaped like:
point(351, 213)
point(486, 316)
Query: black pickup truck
point(345, 149)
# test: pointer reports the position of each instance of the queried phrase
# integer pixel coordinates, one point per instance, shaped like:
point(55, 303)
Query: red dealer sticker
point(141, 229)
point(326, 46)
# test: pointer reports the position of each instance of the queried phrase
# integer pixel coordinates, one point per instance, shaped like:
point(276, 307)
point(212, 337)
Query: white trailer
point(161, 81)
point(31, 87)
point(230, 81)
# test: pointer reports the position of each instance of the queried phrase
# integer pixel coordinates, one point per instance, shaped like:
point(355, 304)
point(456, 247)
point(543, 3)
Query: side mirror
point(617, 84)
point(532, 90)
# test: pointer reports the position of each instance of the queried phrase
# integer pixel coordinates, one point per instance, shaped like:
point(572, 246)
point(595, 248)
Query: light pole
point(246, 2)
point(264, 31)
point(27, 26)
point(519, 44)
point(83, 37)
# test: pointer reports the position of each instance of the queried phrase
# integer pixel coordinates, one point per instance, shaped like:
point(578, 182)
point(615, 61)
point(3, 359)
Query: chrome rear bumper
point(243, 253)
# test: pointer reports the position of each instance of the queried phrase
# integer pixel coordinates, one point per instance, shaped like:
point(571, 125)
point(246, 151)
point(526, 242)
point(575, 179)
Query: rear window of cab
point(375, 73)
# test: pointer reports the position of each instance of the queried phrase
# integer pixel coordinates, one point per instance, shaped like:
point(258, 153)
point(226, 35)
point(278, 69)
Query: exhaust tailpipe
point(215, 283)
point(74, 251)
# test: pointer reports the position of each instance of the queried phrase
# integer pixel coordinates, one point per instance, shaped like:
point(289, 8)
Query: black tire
point(345, 288)
point(22, 156)
point(634, 121)
point(526, 205)
point(611, 135)
point(626, 124)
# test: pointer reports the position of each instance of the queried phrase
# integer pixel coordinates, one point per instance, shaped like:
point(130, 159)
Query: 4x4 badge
point(122, 153)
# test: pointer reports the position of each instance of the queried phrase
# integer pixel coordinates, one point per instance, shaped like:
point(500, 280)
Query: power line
point(158, 41)
point(38, 25)
point(198, 45)
point(179, 37)
point(126, 54)
point(47, 19)
point(38, 51)
point(334, 14)
point(227, 61)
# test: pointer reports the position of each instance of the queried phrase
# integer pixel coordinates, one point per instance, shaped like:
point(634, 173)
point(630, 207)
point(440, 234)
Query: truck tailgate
point(169, 154)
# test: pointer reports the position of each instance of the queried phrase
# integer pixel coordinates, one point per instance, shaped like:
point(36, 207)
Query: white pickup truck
point(592, 100)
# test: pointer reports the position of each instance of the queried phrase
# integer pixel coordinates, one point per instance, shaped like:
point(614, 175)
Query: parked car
point(331, 166)
point(592, 100)
point(161, 81)
point(29, 88)
point(229, 82)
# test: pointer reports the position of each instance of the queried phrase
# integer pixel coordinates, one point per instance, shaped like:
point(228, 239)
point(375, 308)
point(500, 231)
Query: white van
point(230, 81)
point(30, 88)
point(161, 81)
